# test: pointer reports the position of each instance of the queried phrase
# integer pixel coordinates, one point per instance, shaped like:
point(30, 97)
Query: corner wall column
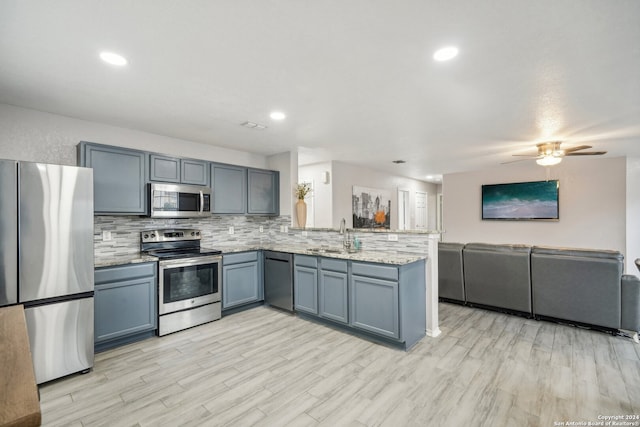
point(433, 330)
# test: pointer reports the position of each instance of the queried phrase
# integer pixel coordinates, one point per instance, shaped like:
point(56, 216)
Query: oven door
point(188, 282)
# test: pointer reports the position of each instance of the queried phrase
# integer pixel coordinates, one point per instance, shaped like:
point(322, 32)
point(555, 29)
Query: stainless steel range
point(189, 278)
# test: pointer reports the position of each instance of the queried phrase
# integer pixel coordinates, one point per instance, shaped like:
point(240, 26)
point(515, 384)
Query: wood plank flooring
point(268, 368)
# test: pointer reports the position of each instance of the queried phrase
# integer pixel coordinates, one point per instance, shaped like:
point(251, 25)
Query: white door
point(421, 210)
point(403, 210)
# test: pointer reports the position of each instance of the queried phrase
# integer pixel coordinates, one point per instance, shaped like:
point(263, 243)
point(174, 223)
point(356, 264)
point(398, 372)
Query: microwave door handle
point(201, 202)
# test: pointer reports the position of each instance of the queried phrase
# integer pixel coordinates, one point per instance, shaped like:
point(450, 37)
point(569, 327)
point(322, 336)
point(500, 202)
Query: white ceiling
point(356, 78)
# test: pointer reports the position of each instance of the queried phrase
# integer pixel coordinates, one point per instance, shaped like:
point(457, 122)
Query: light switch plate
point(393, 237)
point(106, 236)
point(231, 230)
point(261, 229)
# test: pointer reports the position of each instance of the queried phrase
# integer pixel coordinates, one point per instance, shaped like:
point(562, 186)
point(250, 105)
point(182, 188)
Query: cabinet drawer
point(333, 264)
point(374, 270)
point(306, 261)
point(239, 257)
point(124, 272)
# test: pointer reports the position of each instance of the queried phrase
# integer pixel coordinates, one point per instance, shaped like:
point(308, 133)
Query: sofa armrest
point(630, 313)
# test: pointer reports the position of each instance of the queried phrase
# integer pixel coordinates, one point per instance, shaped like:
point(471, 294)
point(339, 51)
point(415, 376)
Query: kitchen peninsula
point(383, 293)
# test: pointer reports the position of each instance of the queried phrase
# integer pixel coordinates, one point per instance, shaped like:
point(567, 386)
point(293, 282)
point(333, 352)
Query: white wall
point(43, 137)
point(592, 205)
point(322, 193)
point(633, 214)
point(287, 164)
point(345, 176)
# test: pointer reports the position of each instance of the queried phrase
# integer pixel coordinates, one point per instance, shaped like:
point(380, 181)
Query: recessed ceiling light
point(113, 58)
point(446, 53)
point(277, 115)
point(429, 176)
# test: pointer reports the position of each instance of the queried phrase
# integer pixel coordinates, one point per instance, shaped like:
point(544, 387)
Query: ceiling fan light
point(549, 161)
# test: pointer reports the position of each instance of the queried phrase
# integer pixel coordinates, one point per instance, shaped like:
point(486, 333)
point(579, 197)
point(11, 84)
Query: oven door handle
point(190, 262)
point(201, 202)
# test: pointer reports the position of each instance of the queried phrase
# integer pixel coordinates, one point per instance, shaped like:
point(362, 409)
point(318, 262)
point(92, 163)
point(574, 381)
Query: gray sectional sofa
point(579, 286)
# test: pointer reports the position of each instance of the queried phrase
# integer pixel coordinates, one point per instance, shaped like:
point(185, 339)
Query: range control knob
point(153, 236)
point(197, 233)
point(193, 233)
point(146, 236)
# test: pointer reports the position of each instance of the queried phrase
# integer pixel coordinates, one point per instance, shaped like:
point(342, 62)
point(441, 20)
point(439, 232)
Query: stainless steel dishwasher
point(278, 280)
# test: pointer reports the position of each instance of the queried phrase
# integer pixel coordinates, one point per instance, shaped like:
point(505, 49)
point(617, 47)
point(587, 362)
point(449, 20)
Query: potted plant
point(301, 191)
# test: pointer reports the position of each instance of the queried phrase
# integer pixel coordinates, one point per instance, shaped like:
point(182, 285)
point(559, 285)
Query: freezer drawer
point(61, 338)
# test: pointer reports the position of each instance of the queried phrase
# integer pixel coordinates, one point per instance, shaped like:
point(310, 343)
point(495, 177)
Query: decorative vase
point(301, 213)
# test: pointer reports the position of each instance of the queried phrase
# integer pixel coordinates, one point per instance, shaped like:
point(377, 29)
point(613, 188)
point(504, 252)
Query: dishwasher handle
point(278, 256)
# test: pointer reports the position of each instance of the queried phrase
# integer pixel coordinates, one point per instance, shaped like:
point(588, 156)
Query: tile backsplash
point(125, 234)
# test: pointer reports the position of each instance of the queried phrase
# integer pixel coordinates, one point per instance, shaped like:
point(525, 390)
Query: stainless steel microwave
point(179, 201)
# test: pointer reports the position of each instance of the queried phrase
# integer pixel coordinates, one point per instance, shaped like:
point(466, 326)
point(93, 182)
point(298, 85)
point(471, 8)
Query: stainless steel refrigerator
point(46, 261)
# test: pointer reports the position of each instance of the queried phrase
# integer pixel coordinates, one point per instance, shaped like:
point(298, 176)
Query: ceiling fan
point(550, 153)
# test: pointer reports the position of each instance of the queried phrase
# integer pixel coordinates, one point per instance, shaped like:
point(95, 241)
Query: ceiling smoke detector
point(252, 125)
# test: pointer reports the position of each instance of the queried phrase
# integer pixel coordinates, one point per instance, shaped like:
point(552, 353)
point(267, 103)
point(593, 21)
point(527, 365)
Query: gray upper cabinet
point(263, 192)
point(164, 169)
point(172, 169)
point(229, 186)
point(195, 172)
point(119, 177)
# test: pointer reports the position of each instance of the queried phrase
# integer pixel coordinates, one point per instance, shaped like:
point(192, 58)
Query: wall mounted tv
point(537, 200)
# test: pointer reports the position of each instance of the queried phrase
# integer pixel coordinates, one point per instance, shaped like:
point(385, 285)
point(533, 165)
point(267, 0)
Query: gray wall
point(593, 203)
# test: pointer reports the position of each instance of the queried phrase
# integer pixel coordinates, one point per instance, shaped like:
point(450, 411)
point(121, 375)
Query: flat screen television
point(536, 200)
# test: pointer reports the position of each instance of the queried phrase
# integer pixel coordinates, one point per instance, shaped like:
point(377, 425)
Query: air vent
point(399, 162)
point(252, 125)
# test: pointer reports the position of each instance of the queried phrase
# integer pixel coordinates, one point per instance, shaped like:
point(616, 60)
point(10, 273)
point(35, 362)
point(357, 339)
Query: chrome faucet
point(346, 239)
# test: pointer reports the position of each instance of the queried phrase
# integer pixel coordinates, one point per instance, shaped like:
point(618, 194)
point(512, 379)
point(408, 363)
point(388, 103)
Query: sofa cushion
point(630, 319)
point(577, 285)
point(498, 275)
point(450, 271)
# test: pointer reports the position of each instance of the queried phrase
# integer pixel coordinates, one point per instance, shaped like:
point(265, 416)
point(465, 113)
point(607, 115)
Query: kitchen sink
point(325, 250)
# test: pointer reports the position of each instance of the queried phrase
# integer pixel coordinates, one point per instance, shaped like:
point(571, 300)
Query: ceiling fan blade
point(572, 149)
point(518, 160)
point(526, 155)
point(587, 153)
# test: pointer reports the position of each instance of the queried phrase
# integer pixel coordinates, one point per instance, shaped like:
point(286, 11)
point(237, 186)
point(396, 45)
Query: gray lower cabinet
point(374, 306)
point(263, 192)
point(119, 177)
point(305, 284)
point(229, 189)
point(126, 307)
point(241, 279)
point(381, 301)
point(333, 290)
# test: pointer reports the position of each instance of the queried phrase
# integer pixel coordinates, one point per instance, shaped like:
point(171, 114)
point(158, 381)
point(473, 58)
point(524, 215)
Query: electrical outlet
point(231, 230)
point(282, 228)
point(106, 236)
point(305, 233)
point(261, 229)
point(286, 228)
point(393, 237)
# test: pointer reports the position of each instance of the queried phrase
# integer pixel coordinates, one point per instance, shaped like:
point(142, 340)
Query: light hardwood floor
point(265, 367)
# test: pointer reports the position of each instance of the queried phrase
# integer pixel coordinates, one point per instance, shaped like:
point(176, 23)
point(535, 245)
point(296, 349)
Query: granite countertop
point(119, 259)
point(383, 257)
